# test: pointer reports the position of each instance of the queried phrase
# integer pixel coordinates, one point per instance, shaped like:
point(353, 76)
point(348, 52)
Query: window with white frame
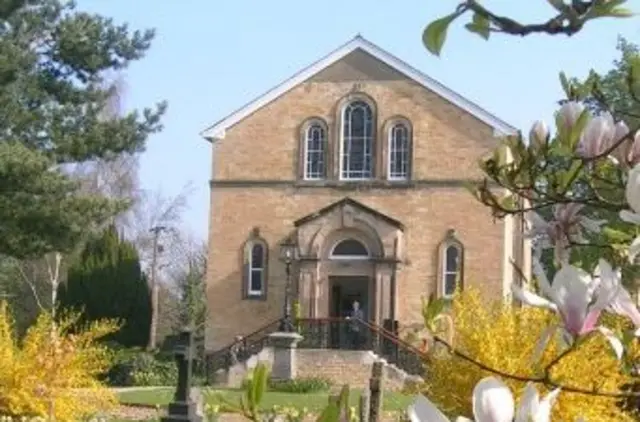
point(256, 269)
point(314, 151)
point(451, 268)
point(398, 160)
point(356, 147)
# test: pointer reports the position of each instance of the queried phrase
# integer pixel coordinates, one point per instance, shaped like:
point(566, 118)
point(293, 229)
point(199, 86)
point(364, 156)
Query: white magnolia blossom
point(597, 136)
point(623, 151)
point(566, 227)
point(539, 133)
point(492, 402)
point(632, 194)
point(632, 152)
point(570, 113)
point(580, 298)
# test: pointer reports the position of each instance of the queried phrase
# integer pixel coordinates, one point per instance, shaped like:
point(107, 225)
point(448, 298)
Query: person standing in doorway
point(355, 323)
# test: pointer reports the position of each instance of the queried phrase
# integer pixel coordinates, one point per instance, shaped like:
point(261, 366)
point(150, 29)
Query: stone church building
point(362, 160)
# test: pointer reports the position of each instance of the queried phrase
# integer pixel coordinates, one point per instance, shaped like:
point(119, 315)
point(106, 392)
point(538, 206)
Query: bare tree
point(187, 274)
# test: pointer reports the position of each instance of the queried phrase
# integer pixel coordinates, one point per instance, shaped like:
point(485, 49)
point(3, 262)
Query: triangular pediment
point(358, 59)
point(358, 66)
point(347, 209)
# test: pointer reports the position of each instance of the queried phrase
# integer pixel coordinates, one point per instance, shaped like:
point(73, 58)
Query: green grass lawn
point(392, 401)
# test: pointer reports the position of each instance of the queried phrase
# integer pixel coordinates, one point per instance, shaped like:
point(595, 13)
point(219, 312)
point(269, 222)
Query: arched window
point(399, 156)
point(315, 141)
point(356, 147)
point(255, 254)
point(451, 265)
point(349, 249)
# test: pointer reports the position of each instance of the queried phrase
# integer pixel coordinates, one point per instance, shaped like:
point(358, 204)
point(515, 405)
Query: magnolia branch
point(568, 21)
point(545, 379)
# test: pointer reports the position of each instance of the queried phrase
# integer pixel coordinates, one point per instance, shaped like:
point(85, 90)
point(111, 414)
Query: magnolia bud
point(621, 152)
point(570, 113)
point(596, 137)
point(634, 150)
point(539, 133)
point(632, 190)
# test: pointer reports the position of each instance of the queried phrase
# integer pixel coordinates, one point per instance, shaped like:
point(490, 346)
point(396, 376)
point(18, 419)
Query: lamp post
point(288, 254)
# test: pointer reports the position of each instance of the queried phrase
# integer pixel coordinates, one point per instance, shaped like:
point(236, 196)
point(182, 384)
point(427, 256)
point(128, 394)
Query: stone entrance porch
point(348, 252)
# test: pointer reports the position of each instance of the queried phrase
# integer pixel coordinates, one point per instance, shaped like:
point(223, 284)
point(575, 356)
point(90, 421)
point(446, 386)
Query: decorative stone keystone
point(284, 355)
point(183, 408)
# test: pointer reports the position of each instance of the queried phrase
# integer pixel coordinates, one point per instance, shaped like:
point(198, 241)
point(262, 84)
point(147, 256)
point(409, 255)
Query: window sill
point(356, 184)
point(261, 296)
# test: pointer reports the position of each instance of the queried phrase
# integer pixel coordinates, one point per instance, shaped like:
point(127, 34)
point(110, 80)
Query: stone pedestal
point(284, 355)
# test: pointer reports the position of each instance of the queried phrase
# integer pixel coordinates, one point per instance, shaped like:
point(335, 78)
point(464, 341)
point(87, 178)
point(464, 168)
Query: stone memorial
point(183, 408)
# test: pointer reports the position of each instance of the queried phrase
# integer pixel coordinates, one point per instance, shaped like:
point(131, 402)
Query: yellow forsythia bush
point(504, 338)
point(55, 369)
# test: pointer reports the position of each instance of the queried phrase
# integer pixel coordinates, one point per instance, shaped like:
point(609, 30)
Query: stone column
point(385, 295)
point(304, 293)
point(284, 355)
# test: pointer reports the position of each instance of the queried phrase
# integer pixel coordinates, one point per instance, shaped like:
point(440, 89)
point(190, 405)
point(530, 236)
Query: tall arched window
point(315, 140)
point(356, 148)
point(255, 257)
point(399, 156)
point(451, 256)
point(451, 269)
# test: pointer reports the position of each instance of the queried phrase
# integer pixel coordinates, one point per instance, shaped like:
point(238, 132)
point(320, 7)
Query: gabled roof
point(217, 130)
point(347, 201)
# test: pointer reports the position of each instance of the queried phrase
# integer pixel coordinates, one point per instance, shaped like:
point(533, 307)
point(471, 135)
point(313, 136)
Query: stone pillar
point(385, 295)
point(284, 355)
point(304, 294)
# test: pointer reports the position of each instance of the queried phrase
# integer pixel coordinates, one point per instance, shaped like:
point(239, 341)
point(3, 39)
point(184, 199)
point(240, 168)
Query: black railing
point(354, 334)
point(325, 333)
point(240, 350)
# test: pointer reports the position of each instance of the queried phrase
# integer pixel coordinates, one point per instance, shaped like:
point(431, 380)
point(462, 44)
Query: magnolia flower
point(632, 194)
point(622, 303)
point(565, 227)
point(577, 297)
point(597, 136)
point(539, 133)
point(622, 152)
point(492, 402)
point(633, 150)
point(570, 113)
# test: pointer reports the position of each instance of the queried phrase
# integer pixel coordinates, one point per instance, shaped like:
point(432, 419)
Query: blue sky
point(210, 57)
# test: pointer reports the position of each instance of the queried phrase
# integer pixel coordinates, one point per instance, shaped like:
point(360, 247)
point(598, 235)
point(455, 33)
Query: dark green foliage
point(106, 281)
point(137, 368)
point(54, 65)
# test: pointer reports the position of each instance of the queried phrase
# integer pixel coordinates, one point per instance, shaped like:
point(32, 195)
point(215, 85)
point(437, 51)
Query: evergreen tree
point(55, 62)
point(107, 282)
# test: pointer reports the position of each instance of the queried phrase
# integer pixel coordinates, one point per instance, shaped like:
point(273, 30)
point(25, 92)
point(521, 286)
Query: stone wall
point(341, 367)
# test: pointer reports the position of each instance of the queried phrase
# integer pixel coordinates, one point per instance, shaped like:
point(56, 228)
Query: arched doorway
point(350, 275)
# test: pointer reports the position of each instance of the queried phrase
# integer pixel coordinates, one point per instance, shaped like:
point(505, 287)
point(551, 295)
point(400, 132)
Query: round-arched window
point(349, 249)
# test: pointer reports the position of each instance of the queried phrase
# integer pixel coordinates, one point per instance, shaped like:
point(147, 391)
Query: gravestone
point(183, 407)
